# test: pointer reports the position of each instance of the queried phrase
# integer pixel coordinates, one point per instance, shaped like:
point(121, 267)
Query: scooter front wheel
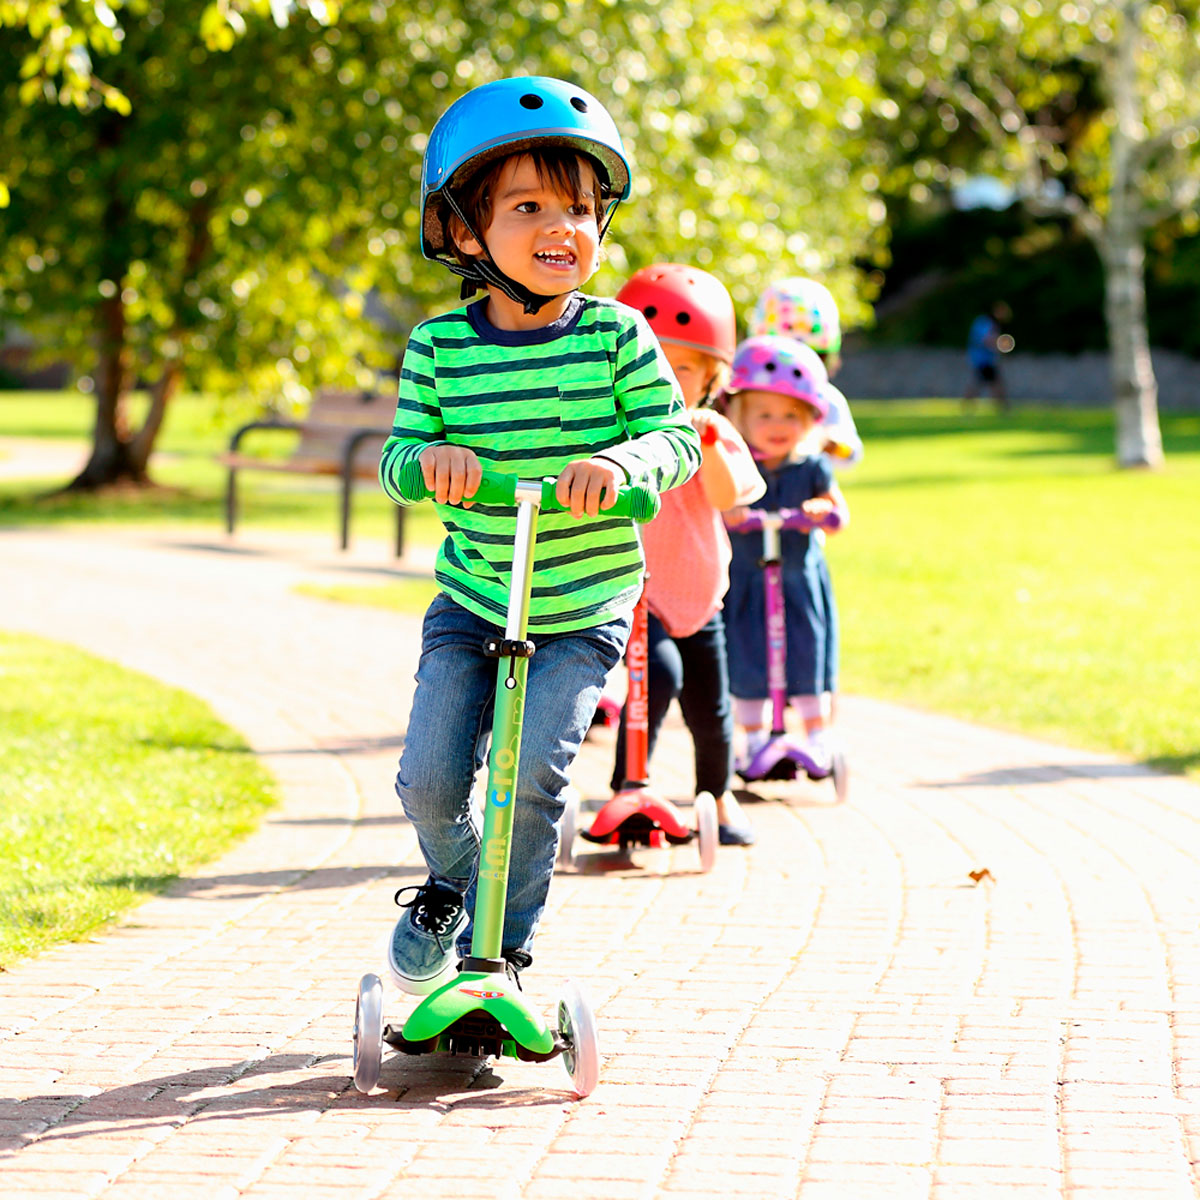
point(707, 831)
point(368, 1033)
point(841, 777)
point(577, 1028)
point(568, 828)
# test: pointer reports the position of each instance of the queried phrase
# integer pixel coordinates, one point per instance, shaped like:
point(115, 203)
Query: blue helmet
point(505, 117)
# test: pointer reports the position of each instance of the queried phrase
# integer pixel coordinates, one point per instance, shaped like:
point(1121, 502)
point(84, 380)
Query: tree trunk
point(112, 459)
point(1135, 391)
point(142, 444)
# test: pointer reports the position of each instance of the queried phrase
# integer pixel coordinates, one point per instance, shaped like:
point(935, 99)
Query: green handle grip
point(637, 501)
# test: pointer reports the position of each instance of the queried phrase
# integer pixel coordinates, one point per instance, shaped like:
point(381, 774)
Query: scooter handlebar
point(637, 501)
point(788, 518)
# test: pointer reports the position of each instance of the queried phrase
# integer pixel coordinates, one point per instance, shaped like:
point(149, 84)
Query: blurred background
point(220, 195)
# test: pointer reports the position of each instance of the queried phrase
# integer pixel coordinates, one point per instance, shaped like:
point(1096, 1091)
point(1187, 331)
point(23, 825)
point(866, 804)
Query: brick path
point(838, 1012)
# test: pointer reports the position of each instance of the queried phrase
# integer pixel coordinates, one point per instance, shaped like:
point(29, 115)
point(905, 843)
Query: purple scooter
point(784, 755)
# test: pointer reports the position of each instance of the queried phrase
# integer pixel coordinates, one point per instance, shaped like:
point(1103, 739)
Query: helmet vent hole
point(651, 311)
point(579, 104)
point(529, 100)
point(682, 318)
point(797, 372)
point(771, 366)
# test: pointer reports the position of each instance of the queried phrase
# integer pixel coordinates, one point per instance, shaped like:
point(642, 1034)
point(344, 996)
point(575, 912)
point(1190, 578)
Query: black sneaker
point(515, 961)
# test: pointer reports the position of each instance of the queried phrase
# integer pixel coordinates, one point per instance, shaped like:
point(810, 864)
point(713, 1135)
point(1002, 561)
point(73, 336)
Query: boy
point(520, 179)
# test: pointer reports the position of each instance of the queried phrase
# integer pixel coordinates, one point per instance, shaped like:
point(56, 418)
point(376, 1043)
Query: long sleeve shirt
point(528, 403)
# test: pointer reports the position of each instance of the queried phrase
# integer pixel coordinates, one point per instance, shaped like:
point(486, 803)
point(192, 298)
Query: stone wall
point(901, 372)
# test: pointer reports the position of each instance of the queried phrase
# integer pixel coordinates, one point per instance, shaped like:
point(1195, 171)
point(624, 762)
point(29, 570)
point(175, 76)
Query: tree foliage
point(232, 225)
point(1089, 105)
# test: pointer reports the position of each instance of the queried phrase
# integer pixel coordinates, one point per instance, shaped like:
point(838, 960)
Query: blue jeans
point(693, 670)
point(447, 740)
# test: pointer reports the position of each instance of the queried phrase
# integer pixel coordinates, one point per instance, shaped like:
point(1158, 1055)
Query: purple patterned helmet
point(782, 365)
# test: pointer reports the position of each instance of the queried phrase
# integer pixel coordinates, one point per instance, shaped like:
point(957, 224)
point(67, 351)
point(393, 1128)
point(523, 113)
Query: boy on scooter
point(520, 179)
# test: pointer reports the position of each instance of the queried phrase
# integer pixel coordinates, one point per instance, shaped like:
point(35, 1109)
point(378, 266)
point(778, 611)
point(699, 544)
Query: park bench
point(341, 435)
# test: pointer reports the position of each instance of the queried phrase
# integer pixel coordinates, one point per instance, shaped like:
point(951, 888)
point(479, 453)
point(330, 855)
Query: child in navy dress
point(775, 399)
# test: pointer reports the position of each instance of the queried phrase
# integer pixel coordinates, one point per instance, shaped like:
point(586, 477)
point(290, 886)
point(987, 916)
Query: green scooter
point(482, 1011)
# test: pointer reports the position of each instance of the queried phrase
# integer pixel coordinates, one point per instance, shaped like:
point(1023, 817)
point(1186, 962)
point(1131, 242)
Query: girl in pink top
point(687, 548)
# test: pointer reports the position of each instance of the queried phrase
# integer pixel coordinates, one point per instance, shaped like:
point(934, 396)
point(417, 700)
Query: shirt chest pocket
point(587, 408)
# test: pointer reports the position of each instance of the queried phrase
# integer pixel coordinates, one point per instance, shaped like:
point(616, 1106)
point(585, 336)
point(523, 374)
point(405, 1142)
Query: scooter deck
point(478, 1014)
point(781, 758)
point(637, 812)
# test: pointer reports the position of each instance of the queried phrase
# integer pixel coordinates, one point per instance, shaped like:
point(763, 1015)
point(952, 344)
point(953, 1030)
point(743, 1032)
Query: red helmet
point(686, 306)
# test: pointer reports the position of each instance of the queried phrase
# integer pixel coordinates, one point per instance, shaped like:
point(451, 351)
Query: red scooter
point(638, 815)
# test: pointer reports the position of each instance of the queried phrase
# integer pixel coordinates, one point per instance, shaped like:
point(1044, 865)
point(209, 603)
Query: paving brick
point(831, 1014)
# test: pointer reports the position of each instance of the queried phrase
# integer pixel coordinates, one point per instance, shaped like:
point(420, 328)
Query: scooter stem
point(491, 892)
point(776, 622)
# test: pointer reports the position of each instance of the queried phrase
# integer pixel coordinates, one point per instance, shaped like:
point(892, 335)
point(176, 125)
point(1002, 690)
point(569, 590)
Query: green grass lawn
point(1001, 569)
point(996, 568)
point(196, 431)
point(113, 785)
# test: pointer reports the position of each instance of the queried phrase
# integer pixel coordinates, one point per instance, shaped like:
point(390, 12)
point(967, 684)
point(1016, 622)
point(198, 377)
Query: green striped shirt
point(528, 403)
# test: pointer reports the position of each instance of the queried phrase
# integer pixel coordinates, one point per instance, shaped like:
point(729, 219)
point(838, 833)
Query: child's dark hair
point(559, 167)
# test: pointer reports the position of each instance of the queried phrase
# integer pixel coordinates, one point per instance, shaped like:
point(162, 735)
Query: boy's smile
point(542, 238)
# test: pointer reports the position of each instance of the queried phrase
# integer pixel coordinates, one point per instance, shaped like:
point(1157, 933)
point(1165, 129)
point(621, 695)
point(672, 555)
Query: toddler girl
point(776, 399)
point(686, 546)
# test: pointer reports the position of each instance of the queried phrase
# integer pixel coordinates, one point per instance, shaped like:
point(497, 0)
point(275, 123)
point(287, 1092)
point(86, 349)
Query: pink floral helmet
point(782, 365)
point(800, 308)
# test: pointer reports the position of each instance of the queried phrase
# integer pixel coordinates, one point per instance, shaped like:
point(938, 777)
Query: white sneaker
point(820, 749)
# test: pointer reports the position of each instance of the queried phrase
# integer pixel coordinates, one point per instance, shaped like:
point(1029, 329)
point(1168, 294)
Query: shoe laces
point(435, 908)
point(515, 961)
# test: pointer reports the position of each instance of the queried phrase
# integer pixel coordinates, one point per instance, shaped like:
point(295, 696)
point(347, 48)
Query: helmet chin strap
point(482, 271)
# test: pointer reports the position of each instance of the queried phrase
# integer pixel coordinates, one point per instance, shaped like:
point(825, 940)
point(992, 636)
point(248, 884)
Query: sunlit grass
point(113, 784)
point(998, 568)
point(192, 482)
point(406, 595)
point(1003, 570)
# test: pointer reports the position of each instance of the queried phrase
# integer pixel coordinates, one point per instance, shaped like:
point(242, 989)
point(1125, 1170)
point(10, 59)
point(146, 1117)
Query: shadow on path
point(251, 1088)
point(1048, 773)
point(260, 883)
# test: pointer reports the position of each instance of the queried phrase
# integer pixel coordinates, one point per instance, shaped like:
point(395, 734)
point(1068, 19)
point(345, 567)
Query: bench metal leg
point(231, 500)
point(347, 491)
point(399, 531)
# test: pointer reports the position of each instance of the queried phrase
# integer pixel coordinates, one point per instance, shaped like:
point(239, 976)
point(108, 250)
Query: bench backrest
point(334, 414)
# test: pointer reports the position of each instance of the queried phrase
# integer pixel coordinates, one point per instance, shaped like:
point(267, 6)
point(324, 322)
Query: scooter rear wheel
point(841, 777)
point(577, 1027)
point(707, 831)
point(568, 828)
point(368, 1033)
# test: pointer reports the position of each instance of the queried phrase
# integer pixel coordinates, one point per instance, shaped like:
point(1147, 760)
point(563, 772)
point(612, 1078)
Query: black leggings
point(693, 670)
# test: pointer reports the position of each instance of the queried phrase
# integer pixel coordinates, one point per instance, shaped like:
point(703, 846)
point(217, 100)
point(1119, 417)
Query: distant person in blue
point(985, 343)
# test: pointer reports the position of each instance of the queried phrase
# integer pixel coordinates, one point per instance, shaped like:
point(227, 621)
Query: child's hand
point(820, 507)
point(705, 421)
point(735, 516)
point(589, 485)
point(452, 473)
